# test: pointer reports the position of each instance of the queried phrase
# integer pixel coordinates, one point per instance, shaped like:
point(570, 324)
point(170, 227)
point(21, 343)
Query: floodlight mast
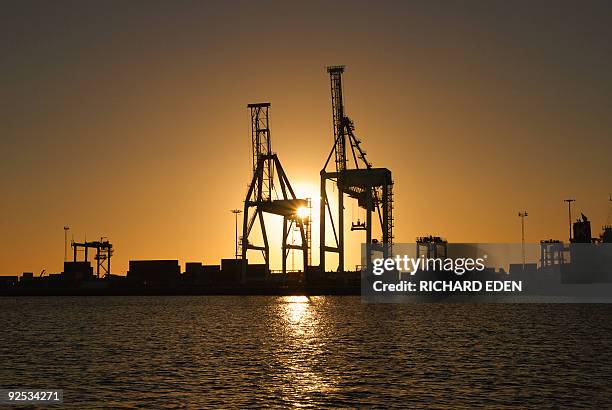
point(236, 212)
point(522, 215)
point(569, 215)
point(66, 229)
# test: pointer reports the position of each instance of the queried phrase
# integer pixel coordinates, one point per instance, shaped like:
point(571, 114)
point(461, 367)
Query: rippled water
point(192, 352)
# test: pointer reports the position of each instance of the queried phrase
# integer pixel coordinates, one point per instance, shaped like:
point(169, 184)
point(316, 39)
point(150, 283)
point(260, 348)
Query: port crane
point(356, 177)
point(104, 251)
point(263, 198)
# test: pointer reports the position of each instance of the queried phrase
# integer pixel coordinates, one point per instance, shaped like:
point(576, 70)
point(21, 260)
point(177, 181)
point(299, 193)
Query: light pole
point(522, 215)
point(569, 212)
point(236, 212)
point(66, 228)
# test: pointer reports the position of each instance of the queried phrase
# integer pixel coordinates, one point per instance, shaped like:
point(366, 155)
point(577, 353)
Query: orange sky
point(129, 120)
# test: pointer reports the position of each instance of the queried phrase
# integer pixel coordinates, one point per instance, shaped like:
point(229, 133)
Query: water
point(193, 352)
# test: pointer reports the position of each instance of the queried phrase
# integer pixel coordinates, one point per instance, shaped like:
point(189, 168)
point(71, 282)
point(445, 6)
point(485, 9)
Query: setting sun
point(303, 212)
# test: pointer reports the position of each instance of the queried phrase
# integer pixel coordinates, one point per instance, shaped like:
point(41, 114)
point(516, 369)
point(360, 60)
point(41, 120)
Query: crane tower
point(262, 197)
point(354, 176)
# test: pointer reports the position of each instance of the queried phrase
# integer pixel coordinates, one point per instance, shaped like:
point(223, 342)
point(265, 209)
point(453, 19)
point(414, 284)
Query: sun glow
point(303, 212)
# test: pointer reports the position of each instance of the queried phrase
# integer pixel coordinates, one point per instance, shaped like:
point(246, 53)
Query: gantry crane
point(104, 251)
point(356, 177)
point(262, 197)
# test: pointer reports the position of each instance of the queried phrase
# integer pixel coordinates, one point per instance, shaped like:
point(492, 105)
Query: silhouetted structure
point(270, 192)
point(431, 247)
point(569, 215)
point(154, 272)
point(104, 251)
point(8, 281)
point(231, 270)
point(582, 230)
point(606, 235)
point(371, 187)
point(77, 271)
point(193, 268)
point(26, 276)
point(584, 260)
point(198, 274)
point(552, 253)
point(263, 197)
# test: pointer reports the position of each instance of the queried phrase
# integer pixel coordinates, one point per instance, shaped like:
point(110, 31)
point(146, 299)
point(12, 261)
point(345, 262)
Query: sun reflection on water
point(296, 309)
point(303, 356)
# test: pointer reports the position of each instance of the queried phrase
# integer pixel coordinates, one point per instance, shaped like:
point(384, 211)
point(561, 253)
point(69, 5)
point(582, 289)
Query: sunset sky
point(128, 119)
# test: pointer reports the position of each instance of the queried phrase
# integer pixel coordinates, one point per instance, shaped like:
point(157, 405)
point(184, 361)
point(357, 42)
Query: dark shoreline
point(160, 291)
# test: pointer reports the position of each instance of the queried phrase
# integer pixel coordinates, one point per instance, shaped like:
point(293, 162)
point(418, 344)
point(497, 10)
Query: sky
point(128, 120)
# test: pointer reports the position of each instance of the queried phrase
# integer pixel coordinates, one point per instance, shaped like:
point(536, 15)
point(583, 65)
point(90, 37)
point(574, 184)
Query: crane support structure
point(262, 197)
point(354, 176)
